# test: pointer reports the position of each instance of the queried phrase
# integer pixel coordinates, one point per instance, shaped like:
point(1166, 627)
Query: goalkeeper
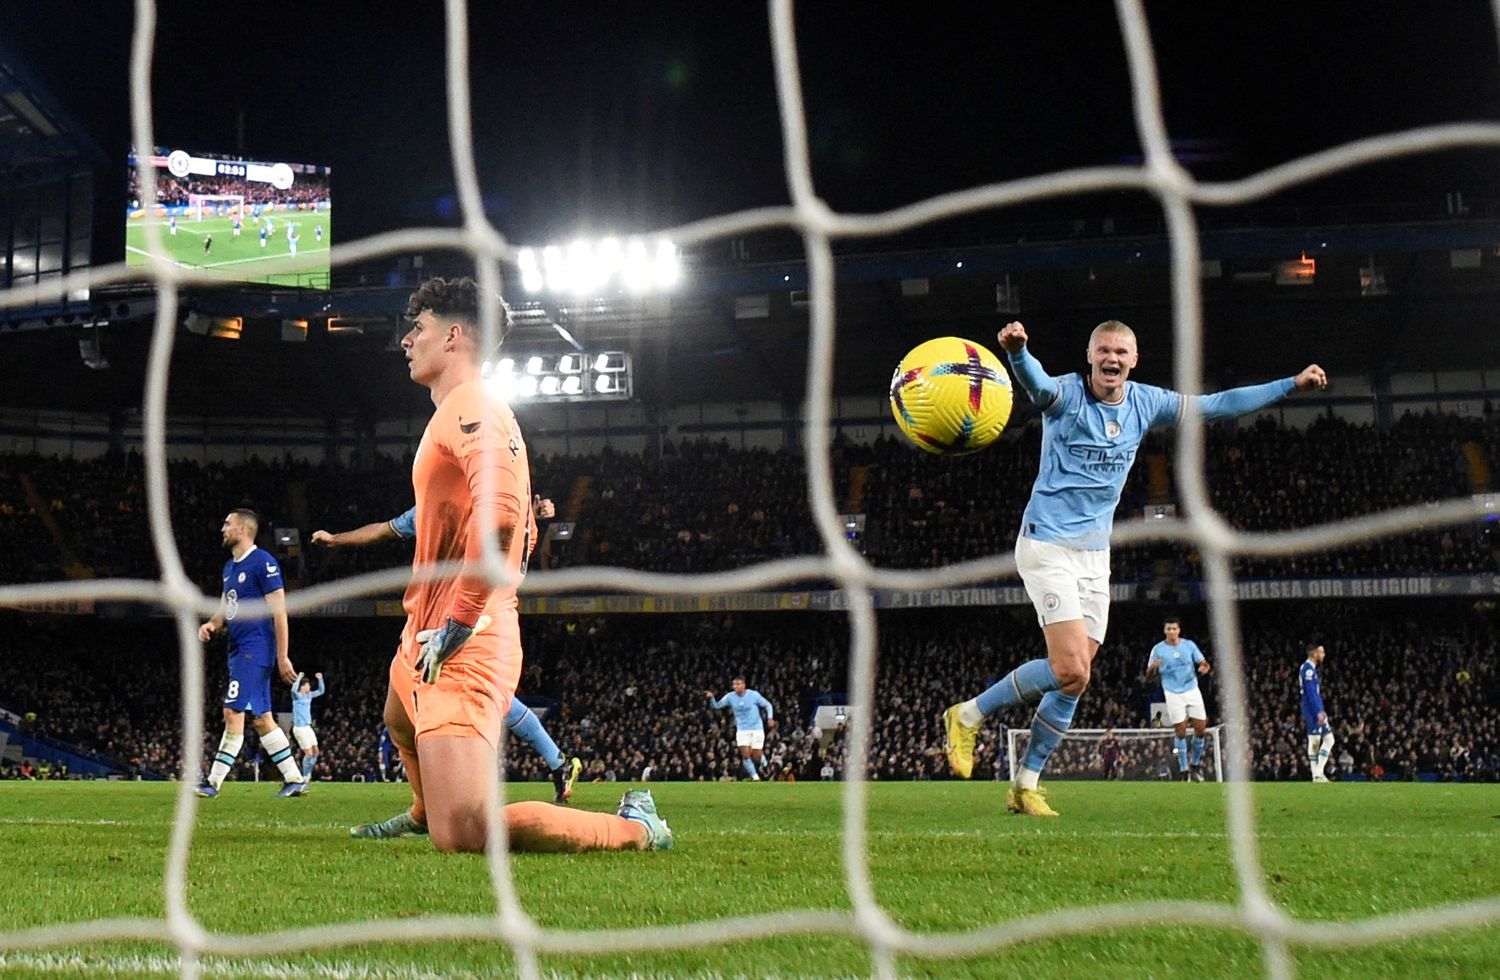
point(520, 719)
point(1092, 424)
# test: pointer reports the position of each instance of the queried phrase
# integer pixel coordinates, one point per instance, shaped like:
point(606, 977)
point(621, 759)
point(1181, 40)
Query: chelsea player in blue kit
point(1178, 661)
point(256, 648)
point(520, 720)
point(749, 733)
point(1319, 735)
point(1092, 425)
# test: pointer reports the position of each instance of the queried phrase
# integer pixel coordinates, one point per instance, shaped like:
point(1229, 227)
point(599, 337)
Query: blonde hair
point(1111, 326)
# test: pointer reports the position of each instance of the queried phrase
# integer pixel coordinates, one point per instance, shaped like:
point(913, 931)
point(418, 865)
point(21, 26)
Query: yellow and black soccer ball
point(951, 396)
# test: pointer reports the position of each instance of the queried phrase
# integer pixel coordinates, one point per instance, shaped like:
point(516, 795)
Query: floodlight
point(550, 385)
point(531, 272)
point(572, 385)
point(526, 387)
point(534, 365)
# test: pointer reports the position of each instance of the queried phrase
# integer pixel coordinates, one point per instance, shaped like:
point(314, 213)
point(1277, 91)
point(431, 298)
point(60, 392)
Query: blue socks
point(1054, 716)
point(1182, 753)
point(1198, 742)
point(1021, 686)
point(525, 725)
point(307, 765)
point(749, 765)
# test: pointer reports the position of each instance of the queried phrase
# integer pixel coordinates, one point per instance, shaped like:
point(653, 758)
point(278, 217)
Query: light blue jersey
point(405, 526)
point(1088, 446)
point(1179, 665)
point(302, 705)
point(747, 709)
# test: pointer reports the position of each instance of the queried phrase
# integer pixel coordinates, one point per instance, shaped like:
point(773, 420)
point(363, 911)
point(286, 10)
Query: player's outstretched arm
point(1153, 667)
point(1040, 387)
point(358, 538)
point(1235, 402)
point(320, 690)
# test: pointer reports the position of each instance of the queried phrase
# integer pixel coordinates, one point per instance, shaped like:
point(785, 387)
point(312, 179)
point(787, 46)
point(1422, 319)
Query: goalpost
point(197, 202)
point(1144, 753)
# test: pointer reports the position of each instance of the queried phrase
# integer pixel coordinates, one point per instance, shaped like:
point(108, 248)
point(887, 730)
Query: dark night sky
point(633, 115)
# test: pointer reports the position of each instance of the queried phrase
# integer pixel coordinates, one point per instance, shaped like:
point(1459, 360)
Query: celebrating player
point(1092, 425)
point(459, 660)
point(1319, 735)
point(1179, 662)
point(251, 574)
point(520, 720)
point(749, 733)
point(302, 730)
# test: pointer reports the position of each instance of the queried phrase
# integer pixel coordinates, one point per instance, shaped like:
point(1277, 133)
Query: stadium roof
point(38, 137)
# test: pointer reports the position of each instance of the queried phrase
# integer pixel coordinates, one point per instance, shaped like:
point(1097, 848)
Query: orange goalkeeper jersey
point(471, 478)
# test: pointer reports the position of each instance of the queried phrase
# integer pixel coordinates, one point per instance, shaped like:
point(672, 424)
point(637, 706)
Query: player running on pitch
point(1179, 662)
point(1319, 735)
point(1092, 425)
point(520, 720)
point(749, 733)
point(256, 647)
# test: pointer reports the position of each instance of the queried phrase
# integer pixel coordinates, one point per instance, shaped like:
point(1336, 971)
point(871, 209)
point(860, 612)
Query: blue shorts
point(249, 686)
point(1313, 728)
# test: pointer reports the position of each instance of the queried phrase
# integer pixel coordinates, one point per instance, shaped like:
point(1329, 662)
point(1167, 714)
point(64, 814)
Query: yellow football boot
point(958, 743)
point(1030, 802)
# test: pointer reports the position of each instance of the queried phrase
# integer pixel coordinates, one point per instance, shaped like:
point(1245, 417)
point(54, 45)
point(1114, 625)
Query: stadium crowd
point(1412, 687)
point(703, 506)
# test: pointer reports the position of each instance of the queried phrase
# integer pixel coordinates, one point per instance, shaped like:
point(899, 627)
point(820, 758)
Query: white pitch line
point(75, 964)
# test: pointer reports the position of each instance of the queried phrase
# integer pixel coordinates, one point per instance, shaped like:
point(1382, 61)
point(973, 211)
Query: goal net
point(214, 205)
point(1254, 912)
point(1118, 753)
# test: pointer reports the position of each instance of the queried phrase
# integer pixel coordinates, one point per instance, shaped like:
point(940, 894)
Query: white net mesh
point(1254, 914)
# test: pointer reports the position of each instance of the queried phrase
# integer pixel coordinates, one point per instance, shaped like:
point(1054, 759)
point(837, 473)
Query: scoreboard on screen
point(232, 217)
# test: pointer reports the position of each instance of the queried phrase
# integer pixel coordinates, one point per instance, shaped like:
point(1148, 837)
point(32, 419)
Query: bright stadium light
point(577, 376)
point(555, 268)
point(532, 279)
point(668, 266)
point(637, 268)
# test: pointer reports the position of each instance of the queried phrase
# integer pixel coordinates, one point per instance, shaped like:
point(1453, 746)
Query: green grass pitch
point(239, 258)
point(944, 856)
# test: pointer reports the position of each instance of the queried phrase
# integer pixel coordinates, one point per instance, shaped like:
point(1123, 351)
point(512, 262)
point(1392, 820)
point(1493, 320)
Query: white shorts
point(750, 740)
point(1066, 584)
point(1181, 707)
point(305, 736)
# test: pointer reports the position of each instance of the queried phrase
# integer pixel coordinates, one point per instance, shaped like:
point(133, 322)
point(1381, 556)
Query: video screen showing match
point(233, 218)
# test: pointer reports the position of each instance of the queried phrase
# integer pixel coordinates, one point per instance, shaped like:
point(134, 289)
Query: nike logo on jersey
point(468, 428)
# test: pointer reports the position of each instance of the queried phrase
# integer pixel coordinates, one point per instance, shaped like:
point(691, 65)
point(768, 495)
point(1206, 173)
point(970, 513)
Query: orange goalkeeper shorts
point(474, 689)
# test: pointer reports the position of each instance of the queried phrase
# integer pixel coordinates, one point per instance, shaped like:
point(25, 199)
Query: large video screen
point(232, 218)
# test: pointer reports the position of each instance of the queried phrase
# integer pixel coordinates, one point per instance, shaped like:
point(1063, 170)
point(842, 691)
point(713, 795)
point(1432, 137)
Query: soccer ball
point(951, 396)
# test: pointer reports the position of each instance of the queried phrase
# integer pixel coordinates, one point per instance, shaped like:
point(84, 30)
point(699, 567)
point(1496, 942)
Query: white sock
point(229, 747)
point(280, 752)
point(969, 713)
point(1026, 779)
